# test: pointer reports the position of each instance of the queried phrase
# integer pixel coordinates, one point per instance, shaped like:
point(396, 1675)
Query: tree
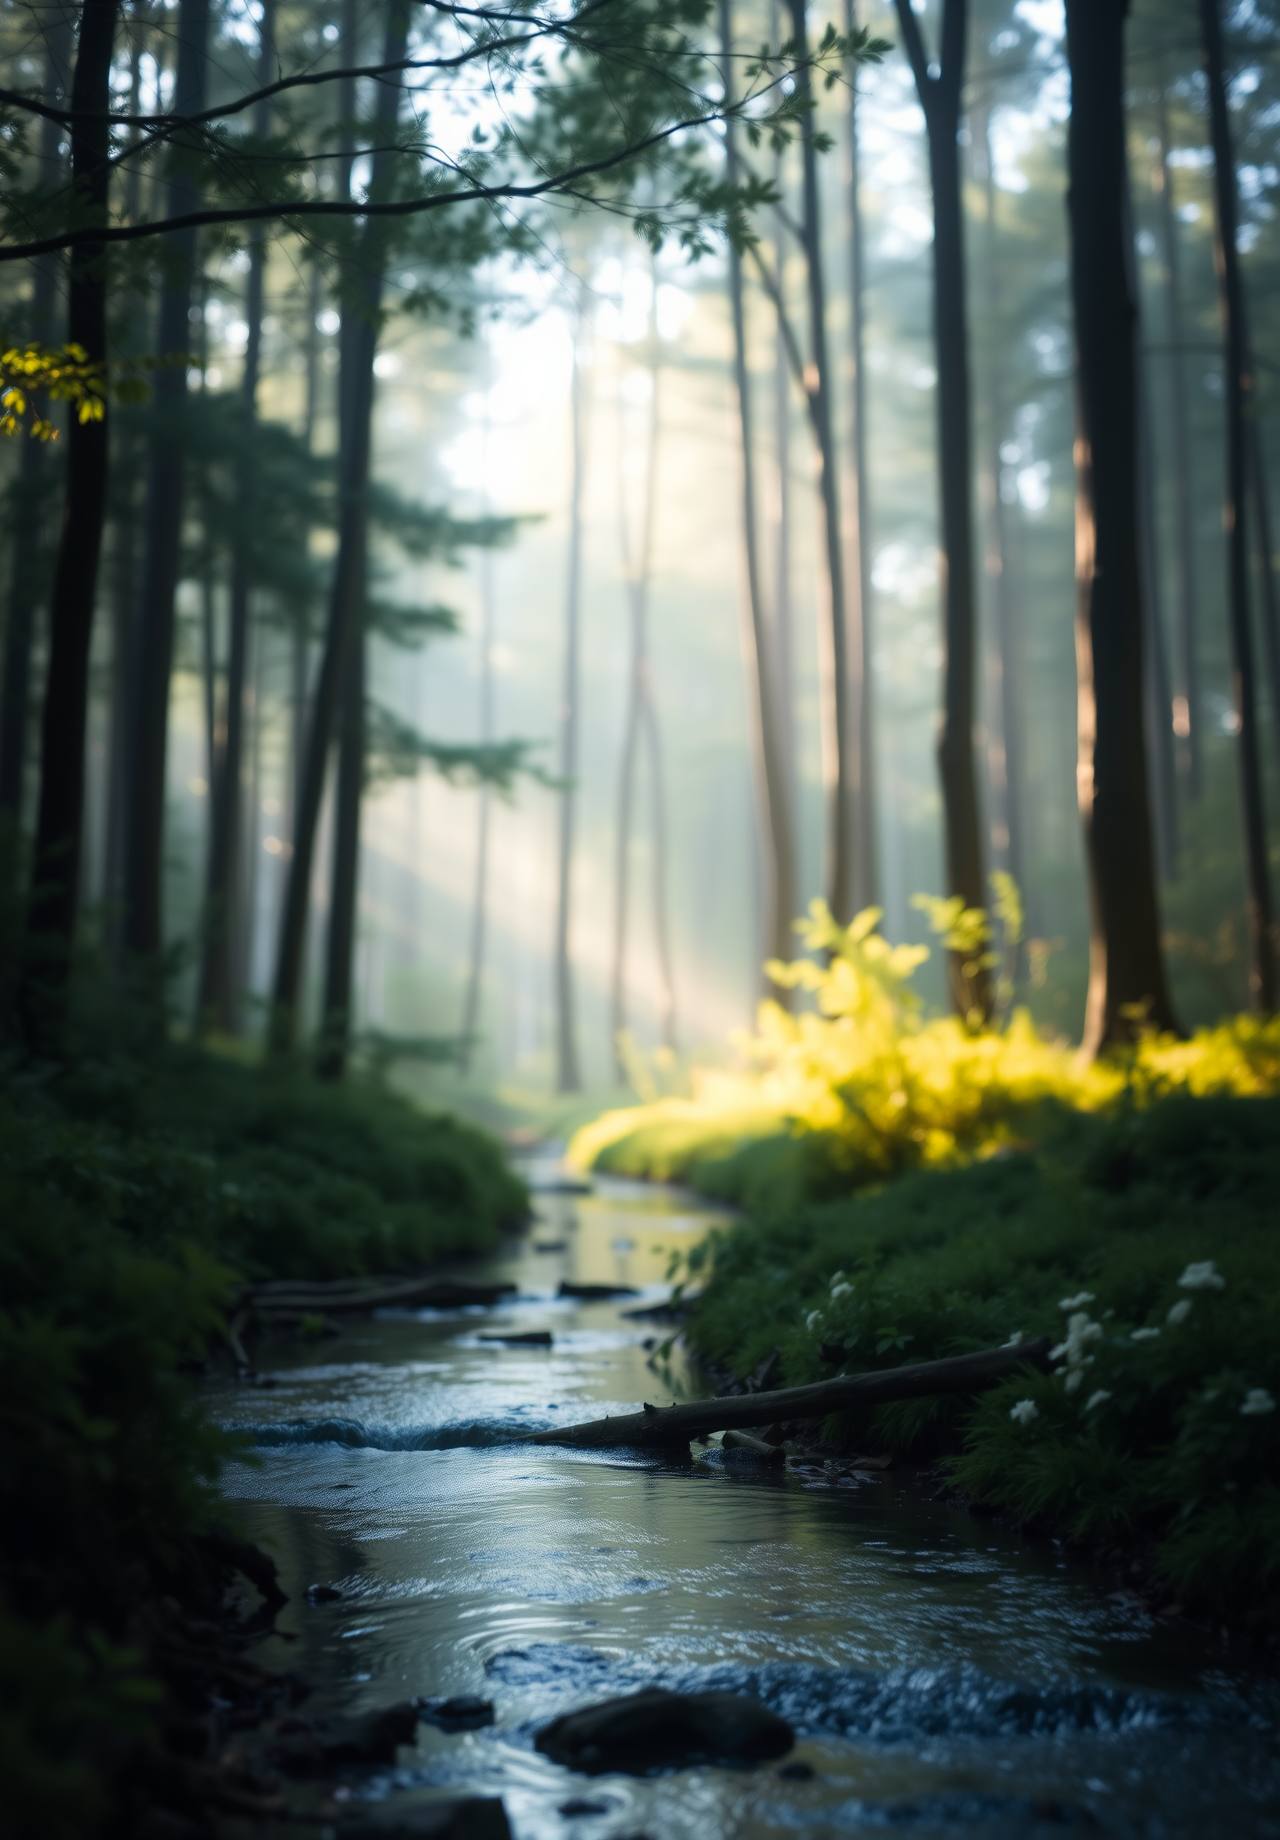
point(1239, 389)
point(568, 1071)
point(866, 878)
point(29, 579)
point(51, 915)
point(1126, 974)
point(845, 637)
point(760, 645)
point(641, 730)
point(144, 823)
point(217, 998)
point(940, 99)
point(1191, 715)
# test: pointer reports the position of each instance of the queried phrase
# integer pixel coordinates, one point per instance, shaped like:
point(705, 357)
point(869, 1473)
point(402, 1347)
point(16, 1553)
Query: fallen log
point(346, 1294)
point(663, 1427)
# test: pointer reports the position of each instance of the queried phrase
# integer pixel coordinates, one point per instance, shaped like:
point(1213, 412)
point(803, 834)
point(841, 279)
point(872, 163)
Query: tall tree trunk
point(335, 1038)
point(1188, 718)
point(28, 509)
point(218, 1000)
point(844, 641)
point(480, 892)
point(641, 728)
point(144, 852)
point(344, 636)
point(51, 916)
point(1126, 975)
point(866, 878)
point(773, 789)
point(1157, 691)
point(568, 1071)
point(1006, 768)
point(1241, 410)
point(1157, 694)
point(940, 99)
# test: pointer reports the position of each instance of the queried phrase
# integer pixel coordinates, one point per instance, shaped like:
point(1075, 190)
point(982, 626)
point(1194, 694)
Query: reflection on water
point(946, 1679)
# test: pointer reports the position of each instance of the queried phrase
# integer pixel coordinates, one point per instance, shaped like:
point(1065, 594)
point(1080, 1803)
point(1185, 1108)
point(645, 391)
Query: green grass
point(941, 1262)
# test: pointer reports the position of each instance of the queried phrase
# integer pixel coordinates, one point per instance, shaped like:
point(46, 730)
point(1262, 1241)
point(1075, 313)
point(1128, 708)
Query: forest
point(618, 612)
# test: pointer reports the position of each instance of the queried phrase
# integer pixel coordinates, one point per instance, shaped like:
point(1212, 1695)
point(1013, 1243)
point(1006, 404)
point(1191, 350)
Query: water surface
point(946, 1677)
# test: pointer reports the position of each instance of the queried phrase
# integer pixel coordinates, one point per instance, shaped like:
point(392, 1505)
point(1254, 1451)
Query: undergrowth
point(864, 1086)
point(134, 1188)
point(1145, 1244)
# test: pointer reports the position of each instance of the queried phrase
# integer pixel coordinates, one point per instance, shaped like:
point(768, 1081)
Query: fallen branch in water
point(662, 1427)
point(343, 1294)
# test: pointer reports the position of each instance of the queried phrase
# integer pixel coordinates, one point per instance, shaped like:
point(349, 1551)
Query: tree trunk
point(336, 1024)
point(218, 1001)
point(866, 876)
point(144, 852)
point(940, 99)
point(480, 893)
point(1157, 696)
point(844, 643)
point(1006, 761)
point(1241, 409)
point(51, 916)
point(361, 318)
point(1127, 989)
point(1188, 718)
point(568, 1074)
point(1157, 692)
point(28, 508)
point(773, 789)
point(641, 728)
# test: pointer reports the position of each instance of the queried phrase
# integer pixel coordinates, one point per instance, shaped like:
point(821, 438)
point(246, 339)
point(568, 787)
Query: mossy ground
point(1159, 1428)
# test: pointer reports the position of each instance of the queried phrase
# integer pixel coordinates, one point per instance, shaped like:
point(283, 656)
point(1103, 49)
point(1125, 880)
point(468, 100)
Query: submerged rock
point(656, 1729)
point(304, 1747)
point(471, 1817)
point(464, 1712)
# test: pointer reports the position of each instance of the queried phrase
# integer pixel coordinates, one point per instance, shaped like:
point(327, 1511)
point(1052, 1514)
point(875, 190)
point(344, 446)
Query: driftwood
point(348, 1294)
point(664, 1427)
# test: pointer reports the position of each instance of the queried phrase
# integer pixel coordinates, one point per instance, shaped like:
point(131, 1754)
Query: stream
point(945, 1676)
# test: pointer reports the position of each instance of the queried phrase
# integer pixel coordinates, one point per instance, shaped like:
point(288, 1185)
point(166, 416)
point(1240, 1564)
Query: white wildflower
point(1144, 1335)
point(1202, 1277)
point(1075, 1377)
point(1096, 1399)
point(837, 1277)
point(1024, 1412)
point(812, 1320)
point(1180, 1311)
point(1077, 1302)
point(1257, 1403)
point(841, 1290)
point(1014, 1339)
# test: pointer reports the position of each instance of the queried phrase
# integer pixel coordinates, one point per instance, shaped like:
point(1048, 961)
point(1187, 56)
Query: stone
point(305, 1747)
point(464, 1712)
point(471, 1817)
point(660, 1730)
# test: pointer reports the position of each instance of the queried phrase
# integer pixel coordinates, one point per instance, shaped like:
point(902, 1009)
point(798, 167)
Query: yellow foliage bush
point(889, 1088)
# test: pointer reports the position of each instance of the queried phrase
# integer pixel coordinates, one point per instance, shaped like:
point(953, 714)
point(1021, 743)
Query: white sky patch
point(905, 571)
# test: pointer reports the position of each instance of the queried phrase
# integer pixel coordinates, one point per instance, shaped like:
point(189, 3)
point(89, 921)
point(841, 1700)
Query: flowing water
point(945, 1677)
